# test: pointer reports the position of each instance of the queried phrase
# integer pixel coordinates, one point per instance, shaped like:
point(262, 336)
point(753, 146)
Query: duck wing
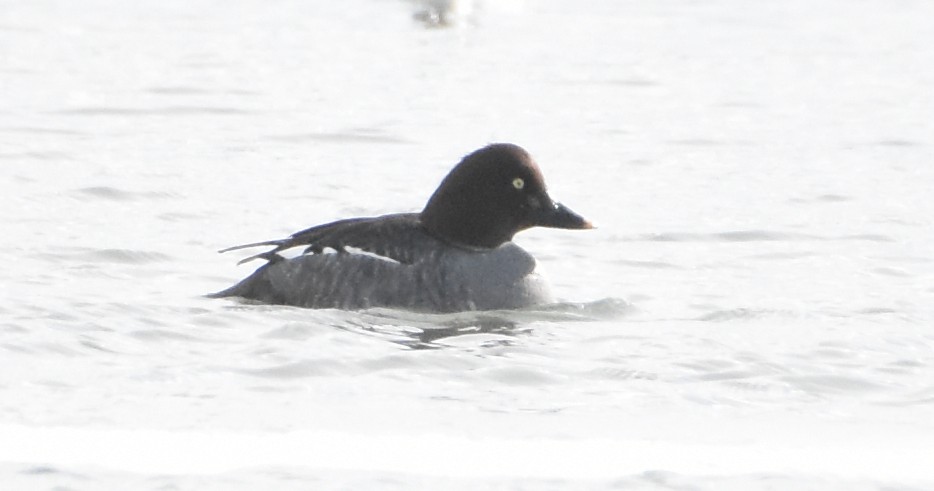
point(398, 237)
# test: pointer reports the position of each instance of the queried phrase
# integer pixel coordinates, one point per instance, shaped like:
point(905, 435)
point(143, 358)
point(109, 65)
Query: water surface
point(754, 312)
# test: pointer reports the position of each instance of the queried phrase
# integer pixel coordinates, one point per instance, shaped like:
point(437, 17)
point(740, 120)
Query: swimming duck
point(455, 255)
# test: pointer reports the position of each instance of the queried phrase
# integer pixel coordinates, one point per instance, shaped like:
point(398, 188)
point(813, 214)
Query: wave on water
point(156, 111)
point(419, 330)
point(742, 313)
point(116, 194)
point(37, 130)
point(749, 236)
point(110, 256)
point(350, 136)
point(749, 313)
point(422, 330)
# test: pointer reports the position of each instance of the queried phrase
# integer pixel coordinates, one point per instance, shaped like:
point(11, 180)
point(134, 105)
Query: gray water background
point(754, 311)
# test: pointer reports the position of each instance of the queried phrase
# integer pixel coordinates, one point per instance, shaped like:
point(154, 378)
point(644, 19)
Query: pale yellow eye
point(518, 183)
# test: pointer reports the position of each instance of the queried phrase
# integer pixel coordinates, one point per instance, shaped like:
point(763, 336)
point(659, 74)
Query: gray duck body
point(442, 279)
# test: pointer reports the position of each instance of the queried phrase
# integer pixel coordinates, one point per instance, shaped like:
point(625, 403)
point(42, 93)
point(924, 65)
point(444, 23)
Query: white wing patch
point(356, 250)
point(291, 252)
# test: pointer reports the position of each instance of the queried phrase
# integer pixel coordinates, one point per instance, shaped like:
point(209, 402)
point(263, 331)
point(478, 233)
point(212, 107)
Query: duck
point(456, 255)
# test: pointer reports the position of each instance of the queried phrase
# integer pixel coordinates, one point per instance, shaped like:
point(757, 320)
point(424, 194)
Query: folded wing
point(398, 237)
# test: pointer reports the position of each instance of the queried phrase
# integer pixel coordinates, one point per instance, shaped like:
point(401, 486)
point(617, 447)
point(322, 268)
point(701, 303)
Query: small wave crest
point(102, 256)
point(117, 194)
point(351, 136)
point(123, 256)
point(741, 313)
point(731, 236)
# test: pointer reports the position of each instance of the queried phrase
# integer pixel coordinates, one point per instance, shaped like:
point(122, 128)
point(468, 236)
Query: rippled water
point(754, 312)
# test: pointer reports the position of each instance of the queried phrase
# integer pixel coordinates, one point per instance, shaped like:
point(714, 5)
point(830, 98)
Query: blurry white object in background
point(442, 13)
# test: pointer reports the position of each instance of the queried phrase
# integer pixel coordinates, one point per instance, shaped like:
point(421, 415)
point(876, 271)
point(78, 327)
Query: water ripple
point(36, 155)
point(173, 90)
point(164, 335)
point(647, 264)
point(749, 236)
point(124, 256)
point(740, 314)
point(295, 331)
point(895, 142)
point(831, 384)
point(159, 111)
point(117, 194)
point(519, 375)
point(117, 256)
point(300, 369)
point(341, 137)
point(35, 130)
point(417, 330)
